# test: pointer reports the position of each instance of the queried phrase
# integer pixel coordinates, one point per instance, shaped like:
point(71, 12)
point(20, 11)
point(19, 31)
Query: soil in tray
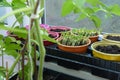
point(116, 38)
point(113, 49)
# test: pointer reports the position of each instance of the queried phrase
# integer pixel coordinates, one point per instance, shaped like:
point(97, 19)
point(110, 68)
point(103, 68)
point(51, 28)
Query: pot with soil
point(59, 29)
point(70, 42)
point(53, 35)
point(112, 37)
point(107, 51)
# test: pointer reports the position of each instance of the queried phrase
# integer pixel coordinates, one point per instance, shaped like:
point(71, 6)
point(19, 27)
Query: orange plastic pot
point(93, 39)
point(75, 49)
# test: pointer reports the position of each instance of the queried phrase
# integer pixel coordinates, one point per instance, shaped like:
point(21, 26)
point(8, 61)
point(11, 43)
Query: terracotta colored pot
point(75, 49)
point(59, 29)
point(108, 40)
point(93, 39)
point(102, 55)
point(55, 34)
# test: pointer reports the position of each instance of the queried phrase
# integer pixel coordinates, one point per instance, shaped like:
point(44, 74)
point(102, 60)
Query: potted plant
point(71, 42)
point(91, 33)
point(106, 51)
point(89, 9)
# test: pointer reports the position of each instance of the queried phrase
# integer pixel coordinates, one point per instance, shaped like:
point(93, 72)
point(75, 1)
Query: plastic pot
point(102, 55)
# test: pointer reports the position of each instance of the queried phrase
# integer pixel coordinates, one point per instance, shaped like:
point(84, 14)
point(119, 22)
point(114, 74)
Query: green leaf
point(1, 0)
point(93, 2)
point(16, 4)
point(79, 3)
point(76, 10)
point(81, 17)
point(2, 73)
point(21, 4)
point(89, 10)
point(13, 53)
point(4, 3)
point(115, 9)
point(96, 20)
point(67, 7)
point(1, 37)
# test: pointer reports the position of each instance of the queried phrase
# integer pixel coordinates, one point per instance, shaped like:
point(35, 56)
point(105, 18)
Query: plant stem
point(14, 64)
point(2, 58)
point(26, 9)
point(42, 51)
point(35, 59)
point(23, 66)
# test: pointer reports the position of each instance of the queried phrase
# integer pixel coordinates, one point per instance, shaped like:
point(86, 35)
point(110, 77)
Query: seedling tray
point(99, 67)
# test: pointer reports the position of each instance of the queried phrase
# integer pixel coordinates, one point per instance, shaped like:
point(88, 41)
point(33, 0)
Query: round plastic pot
point(111, 41)
point(75, 49)
point(102, 55)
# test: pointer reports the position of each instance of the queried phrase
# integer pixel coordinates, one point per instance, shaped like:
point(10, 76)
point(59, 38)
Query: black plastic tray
point(99, 67)
point(53, 75)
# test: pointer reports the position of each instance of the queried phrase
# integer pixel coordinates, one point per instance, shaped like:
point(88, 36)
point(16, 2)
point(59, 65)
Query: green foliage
point(68, 7)
point(4, 3)
point(2, 73)
point(89, 9)
point(96, 20)
point(10, 46)
point(26, 71)
point(115, 9)
point(93, 2)
point(73, 38)
point(21, 4)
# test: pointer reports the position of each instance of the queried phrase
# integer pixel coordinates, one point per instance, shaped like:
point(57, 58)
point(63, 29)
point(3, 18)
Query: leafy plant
point(33, 37)
point(89, 9)
point(71, 39)
point(85, 32)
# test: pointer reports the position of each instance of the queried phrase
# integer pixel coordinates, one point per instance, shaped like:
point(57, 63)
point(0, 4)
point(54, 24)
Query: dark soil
point(58, 30)
point(52, 36)
point(113, 49)
point(116, 38)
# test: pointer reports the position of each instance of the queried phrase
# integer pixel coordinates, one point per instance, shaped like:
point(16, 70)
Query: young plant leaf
point(115, 9)
point(79, 3)
point(93, 2)
point(81, 17)
point(96, 20)
point(67, 7)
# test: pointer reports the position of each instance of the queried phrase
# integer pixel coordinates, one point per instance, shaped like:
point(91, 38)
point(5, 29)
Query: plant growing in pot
point(112, 37)
point(73, 43)
point(89, 9)
point(91, 33)
point(106, 51)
